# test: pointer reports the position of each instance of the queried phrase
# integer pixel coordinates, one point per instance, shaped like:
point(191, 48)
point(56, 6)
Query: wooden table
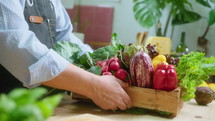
point(70, 109)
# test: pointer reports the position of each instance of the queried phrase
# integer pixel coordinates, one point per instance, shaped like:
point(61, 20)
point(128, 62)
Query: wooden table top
point(86, 111)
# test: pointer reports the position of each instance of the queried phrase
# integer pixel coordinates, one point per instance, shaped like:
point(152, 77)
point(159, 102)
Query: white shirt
point(22, 54)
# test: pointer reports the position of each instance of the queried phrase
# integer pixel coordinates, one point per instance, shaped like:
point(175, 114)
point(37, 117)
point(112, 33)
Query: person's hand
point(108, 93)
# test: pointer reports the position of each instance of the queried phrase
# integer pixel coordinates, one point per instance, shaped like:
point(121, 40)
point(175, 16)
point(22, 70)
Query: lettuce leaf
point(192, 70)
point(68, 50)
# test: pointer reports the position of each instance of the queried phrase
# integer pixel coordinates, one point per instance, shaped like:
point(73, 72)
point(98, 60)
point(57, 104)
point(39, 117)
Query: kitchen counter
point(71, 110)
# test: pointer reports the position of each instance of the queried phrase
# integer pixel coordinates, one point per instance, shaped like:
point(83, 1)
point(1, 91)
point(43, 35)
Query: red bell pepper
point(165, 77)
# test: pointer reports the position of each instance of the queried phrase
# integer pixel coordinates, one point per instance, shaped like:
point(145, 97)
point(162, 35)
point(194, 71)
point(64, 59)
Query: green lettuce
point(192, 70)
point(68, 50)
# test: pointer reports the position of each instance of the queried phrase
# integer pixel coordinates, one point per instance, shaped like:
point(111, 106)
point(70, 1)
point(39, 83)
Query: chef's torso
point(40, 16)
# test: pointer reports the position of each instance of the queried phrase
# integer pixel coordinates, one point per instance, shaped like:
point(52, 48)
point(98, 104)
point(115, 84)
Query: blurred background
point(94, 21)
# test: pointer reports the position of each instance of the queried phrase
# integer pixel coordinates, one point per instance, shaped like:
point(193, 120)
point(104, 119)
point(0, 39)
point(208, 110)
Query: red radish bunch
point(121, 74)
point(112, 67)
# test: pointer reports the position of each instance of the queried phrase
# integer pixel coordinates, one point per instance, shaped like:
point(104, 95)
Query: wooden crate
point(168, 101)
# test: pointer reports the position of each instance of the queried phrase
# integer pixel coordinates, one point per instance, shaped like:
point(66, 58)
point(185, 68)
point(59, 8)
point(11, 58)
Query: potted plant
point(149, 12)
point(202, 40)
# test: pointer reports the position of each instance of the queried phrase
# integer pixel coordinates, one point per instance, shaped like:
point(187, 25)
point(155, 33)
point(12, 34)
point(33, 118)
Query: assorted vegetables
point(144, 66)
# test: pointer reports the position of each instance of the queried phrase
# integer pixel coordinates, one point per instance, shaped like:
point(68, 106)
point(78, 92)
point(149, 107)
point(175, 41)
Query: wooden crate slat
point(155, 99)
point(168, 101)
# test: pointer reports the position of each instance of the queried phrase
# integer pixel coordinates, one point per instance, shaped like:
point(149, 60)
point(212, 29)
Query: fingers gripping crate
point(168, 101)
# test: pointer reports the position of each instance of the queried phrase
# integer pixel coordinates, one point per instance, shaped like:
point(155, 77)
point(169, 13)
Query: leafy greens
point(74, 54)
point(68, 50)
point(192, 70)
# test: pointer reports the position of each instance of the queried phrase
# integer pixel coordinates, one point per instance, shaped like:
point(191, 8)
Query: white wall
point(68, 3)
point(126, 26)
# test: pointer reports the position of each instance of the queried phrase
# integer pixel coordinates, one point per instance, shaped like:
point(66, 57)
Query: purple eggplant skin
point(141, 70)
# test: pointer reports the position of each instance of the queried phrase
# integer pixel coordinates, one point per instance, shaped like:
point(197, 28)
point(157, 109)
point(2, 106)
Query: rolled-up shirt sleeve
point(21, 53)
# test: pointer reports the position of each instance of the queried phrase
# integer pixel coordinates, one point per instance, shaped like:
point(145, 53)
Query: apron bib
point(41, 19)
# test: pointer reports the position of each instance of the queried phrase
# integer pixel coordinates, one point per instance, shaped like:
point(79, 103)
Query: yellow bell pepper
point(203, 84)
point(158, 59)
point(212, 86)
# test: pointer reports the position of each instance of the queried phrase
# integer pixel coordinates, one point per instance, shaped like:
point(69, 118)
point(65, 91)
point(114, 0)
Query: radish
point(101, 63)
point(107, 73)
point(114, 66)
point(121, 74)
point(105, 68)
point(113, 59)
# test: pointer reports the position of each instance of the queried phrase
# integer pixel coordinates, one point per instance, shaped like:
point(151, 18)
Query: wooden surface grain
point(71, 110)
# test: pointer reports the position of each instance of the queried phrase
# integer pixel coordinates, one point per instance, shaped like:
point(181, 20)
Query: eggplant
point(141, 70)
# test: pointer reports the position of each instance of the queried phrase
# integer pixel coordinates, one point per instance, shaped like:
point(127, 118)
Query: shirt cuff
point(47, 68)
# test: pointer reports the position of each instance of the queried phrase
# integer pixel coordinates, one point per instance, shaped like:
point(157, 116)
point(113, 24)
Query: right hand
point(108, 93)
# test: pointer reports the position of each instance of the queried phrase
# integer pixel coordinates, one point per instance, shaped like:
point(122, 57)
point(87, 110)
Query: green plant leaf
point(138, 5)
point(148, 22)
point(104, 53)
point(6, 104)
point(68, 50)
point(25, 96)
point(95, 69)
point(211, 19)
point(29, 112)
point(190, 73)
point(208, 65)
point(180, 7)
point(23, 104)
point(213, 1)
point(148, 12)
point(205, 3)
point(48, 104)
point(168, 1)
point(85, 60)
point(188, 3)
point(185, 17)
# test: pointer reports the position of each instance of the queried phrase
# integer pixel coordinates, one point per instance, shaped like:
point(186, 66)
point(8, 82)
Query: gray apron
point(41, 19)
